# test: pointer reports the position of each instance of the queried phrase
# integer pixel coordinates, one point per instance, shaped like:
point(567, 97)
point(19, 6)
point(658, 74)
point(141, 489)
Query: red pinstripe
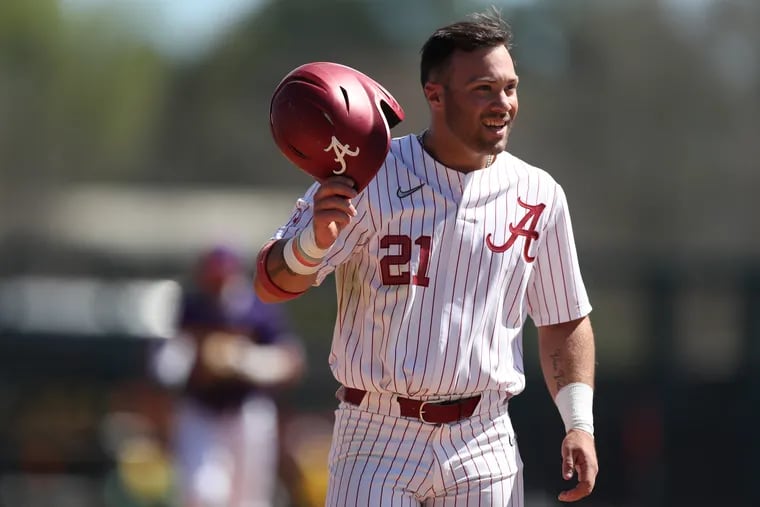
point(460, 333)
point(433, 354)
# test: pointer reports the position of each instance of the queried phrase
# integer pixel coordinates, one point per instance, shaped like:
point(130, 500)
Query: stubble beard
point(488, 146)
point(473, 139)
point(478, 143)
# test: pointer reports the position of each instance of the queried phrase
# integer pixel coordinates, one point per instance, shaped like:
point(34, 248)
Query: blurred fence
point(676, 416)
point(676, 409)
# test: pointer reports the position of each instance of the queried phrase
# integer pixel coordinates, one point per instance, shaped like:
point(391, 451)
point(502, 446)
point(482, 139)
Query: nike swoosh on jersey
point(406, 193)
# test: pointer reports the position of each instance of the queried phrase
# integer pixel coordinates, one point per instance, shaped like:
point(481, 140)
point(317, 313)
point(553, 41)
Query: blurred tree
point(639, 123)
point(644, 110)
point(79, 95)
point(216, 127)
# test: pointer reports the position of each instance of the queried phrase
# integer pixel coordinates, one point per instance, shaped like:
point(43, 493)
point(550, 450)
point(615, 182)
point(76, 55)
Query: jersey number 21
point(401, 276)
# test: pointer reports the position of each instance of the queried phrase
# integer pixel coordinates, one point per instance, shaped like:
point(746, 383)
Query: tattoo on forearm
point(558, 374)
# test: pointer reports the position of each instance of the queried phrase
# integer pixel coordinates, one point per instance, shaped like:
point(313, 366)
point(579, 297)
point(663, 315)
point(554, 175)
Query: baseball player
point(438, 261)
point(231, 349)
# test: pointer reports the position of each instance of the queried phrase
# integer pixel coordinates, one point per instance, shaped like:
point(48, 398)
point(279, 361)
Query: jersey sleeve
point(556, 292)
point(348, 240)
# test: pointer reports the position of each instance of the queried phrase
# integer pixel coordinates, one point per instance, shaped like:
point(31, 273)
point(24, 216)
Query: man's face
point(216, 271)
point(480, 98)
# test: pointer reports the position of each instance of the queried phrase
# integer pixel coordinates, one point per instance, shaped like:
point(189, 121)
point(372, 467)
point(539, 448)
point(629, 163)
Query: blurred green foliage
point(623, 92)
point(81, 98)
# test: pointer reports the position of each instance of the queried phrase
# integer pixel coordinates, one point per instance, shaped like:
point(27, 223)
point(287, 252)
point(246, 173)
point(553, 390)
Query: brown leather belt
point(438, 412)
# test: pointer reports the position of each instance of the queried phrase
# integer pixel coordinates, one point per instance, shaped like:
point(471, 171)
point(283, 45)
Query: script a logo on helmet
point(341, 150)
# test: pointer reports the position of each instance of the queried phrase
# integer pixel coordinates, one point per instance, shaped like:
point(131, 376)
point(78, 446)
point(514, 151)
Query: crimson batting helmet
point(328, 119)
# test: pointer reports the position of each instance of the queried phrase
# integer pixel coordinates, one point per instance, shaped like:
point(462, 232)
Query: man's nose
point(503, 103)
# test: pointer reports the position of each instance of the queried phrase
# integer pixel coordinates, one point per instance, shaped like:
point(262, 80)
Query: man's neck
point(445, 152)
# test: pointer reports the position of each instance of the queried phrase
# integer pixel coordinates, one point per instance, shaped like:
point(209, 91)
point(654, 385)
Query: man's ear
point(434, 94)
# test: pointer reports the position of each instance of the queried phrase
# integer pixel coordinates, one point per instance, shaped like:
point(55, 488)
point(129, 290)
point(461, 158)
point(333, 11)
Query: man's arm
point(279, 274)
point(567, 354)
point(265, 365)
point(287, 268)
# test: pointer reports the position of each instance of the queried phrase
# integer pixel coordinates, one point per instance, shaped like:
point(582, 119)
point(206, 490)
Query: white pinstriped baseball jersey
point(437, 272)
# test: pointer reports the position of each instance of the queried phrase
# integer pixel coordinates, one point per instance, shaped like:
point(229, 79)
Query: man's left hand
point(579, 456)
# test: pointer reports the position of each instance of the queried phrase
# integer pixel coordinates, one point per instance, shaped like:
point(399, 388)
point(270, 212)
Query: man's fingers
point(335, 203)
point(567, 467)
point(332, 202)
point(579, 457)
point(586, 472)
point(338, 186)
point(342, 180)
point(581, 490)
point(336, 217)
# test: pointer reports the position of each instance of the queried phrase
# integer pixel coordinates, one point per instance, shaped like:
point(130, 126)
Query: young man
point(438, 261)
point(231, 352)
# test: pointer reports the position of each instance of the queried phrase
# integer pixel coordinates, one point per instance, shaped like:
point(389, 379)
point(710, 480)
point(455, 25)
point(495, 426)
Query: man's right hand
point(333, 209)
point(332, 212)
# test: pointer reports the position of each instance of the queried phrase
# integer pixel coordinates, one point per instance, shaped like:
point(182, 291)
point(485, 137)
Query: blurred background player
point(230, 351)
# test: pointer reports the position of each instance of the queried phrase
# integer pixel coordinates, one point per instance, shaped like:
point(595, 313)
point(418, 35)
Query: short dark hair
point(480, 30)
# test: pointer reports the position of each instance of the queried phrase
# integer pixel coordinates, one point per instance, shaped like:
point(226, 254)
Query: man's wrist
point(264, 279)
point(575, 403)
point(301, 253)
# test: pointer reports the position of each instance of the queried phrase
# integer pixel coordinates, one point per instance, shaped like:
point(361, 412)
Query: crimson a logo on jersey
point(529, 233)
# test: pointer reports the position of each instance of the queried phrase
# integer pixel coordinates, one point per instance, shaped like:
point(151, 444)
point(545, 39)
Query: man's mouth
point(496, 124)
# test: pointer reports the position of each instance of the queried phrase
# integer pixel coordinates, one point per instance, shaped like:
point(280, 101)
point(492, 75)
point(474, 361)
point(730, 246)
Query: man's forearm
point(270, 365)
point(567, 354)
point(280, 275)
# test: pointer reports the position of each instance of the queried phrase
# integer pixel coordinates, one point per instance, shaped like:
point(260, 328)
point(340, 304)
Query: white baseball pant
point(378, 458)
point(227, 460)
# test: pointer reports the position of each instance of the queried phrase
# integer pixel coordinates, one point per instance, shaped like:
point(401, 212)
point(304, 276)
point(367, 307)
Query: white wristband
point(575, 402)
point(308, 244)
point(301, 253)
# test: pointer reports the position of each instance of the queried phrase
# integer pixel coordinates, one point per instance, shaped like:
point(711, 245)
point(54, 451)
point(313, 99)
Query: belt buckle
point(421, 412)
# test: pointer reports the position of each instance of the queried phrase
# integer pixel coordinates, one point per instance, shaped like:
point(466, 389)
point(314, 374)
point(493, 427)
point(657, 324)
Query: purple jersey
point(242, 312)
point(239, 312)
